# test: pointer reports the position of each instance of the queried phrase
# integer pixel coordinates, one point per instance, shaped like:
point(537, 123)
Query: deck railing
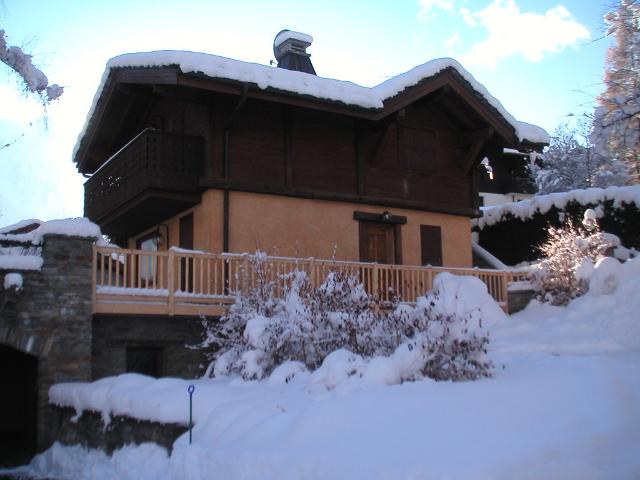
point(182, 281)
point(151, 160)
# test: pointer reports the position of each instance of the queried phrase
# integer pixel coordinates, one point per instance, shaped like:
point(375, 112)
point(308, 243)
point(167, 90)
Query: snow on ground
point(564, 403)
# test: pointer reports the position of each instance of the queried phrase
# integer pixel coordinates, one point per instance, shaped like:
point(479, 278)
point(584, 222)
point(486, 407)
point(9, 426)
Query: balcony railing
point(151, 160)
point(181, 282)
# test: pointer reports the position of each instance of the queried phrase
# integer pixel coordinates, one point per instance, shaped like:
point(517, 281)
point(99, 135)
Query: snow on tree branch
point(616, 123)
point(20, 62)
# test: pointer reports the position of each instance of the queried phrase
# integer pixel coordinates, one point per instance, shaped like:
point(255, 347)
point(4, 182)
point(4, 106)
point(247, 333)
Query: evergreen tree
point(616, 131)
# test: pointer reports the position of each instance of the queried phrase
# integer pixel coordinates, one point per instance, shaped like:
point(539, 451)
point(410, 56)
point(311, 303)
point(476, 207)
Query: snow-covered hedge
point(515, 231)
point(441, 337)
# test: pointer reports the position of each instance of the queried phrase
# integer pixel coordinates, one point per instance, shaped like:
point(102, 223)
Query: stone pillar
point(51, 319)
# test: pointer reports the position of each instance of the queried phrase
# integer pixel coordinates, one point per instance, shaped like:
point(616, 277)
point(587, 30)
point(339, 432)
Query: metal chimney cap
point(287, 40)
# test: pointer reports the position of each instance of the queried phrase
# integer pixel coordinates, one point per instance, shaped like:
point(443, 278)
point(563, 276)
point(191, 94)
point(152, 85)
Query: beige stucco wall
point(302, 227)
point(207, 221)
point(296, 227)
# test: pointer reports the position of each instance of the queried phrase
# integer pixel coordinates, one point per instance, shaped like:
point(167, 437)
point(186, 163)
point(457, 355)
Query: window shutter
point(431, 245)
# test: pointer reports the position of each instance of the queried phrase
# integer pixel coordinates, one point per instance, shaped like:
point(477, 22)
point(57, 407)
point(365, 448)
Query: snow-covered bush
point(569, 258)
point(261, 331)
point(305, 328)
point(450, 325)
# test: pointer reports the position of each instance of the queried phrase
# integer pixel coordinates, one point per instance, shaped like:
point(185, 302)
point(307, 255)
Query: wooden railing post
point(312, 272)
point(245, 280)
point(171, 280)
point(374, 279)
point(94, 268)
point(504, 289)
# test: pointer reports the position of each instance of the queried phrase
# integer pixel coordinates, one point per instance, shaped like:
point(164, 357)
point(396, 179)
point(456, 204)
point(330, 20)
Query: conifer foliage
point(616, 131)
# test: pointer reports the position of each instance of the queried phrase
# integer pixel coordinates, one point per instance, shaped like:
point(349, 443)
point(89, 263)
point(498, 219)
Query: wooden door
point(377, 242)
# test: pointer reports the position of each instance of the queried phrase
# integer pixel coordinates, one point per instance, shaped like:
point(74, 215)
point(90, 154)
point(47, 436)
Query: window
point(431, 245)
point(145, 360)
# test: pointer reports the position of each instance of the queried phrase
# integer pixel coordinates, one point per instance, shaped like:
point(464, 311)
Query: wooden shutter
point(431, 245)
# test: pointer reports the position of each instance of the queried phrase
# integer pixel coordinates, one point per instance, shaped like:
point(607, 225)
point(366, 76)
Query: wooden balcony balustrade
point(180, 282)
point(151, 168)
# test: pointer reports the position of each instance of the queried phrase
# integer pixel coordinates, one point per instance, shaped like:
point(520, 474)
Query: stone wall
point(518, 299)
point(90, 431)
point(50, 318)
point(113, 334)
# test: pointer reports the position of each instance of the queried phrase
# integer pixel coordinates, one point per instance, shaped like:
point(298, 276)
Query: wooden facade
point(161, 141)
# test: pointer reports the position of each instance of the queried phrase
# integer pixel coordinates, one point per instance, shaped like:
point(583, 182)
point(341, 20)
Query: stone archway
point(18, 406)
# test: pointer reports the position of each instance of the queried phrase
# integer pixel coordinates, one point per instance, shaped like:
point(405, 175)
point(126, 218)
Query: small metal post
point(191, 389)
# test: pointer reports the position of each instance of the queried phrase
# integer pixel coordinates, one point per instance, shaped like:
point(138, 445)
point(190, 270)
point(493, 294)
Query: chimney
point(290, 50)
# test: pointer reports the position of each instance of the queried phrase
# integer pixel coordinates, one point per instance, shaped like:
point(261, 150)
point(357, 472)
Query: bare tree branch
point(20, 62)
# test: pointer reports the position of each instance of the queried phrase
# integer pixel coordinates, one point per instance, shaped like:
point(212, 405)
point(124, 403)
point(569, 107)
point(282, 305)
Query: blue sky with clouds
point(541, 58)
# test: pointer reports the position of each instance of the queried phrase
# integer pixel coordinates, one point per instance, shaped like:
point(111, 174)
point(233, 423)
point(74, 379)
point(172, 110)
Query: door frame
point(385, 218)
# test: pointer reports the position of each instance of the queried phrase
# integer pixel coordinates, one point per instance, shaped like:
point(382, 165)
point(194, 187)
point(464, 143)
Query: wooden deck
point(180, 282)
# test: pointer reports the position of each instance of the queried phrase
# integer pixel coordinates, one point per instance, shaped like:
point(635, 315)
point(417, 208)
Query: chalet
point(192, 159)
point(203, 152)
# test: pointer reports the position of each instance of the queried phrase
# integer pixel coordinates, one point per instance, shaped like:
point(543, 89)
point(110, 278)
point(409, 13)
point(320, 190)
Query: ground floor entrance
point(18, 406)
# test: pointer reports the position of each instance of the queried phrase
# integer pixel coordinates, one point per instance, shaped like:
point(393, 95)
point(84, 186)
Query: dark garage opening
point(18, 406)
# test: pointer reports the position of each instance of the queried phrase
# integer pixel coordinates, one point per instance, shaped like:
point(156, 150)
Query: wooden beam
point(385, 217)
point(341, 197)
point(478, 139)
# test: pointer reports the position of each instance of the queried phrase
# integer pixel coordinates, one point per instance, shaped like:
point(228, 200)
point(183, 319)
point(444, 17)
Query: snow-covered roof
point(20, 225)
point(72, 227)
point(300, 83)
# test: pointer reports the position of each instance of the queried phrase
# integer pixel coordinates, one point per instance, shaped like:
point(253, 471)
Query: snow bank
point(147, 461)
point(603, 320)
point(525, 209)
point(301, 83)
point(547, 416)
point(566, 405)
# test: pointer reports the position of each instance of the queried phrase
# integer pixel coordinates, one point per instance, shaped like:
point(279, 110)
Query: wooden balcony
point(181, 282)
point(151, 178)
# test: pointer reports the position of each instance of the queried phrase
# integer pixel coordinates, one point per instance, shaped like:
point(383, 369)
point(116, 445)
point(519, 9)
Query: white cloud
point(512, 32)
point(467, 16)
point(452, 41)
point(427, 7)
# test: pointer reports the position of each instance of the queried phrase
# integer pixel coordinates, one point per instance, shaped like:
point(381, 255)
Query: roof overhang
point(448, 80)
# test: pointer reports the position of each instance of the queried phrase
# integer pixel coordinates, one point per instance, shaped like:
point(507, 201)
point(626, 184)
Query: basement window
point(145, 360)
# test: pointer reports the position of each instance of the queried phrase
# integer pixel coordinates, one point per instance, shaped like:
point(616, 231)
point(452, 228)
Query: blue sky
point(540, 58)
